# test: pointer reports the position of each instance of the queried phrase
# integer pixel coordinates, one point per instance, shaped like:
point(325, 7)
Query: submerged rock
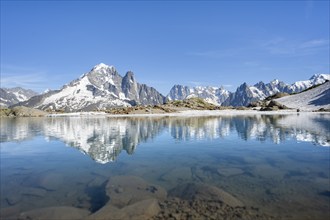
point(178, 175)
point(144, 209)
point(10, 212)
point(230, 171)
point(200, 209)
point(201, 191)
point(127, 190)
point(55, 213)
point(13, 198)
point(50, 181)
point(32, 191)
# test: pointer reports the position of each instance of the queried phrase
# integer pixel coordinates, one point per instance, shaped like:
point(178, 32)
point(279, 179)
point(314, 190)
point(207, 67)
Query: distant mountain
point(213, 95)
point(99, 89)
point(309, 100)
point(244, 94)
point(11, 96)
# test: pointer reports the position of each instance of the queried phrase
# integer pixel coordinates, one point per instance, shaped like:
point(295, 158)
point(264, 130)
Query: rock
point(55, 213)
point(144, 209)
point(201, 191)
point(107, 212)
point(10, 212)
point(127, 190)
point(230, 171)
point(51, 181)
point(31, 191)
point(175, 208)
point(21, 111)
point(178, 175)
point(273, 106)
point(13, 198)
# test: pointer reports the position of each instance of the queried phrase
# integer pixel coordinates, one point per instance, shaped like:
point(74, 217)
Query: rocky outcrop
point(21, 111)
point(273, 106)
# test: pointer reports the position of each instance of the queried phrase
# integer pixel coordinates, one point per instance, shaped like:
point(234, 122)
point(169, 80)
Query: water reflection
point(104, 138)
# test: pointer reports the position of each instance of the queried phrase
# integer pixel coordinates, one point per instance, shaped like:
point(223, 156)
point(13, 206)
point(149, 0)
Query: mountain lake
point(221, 167)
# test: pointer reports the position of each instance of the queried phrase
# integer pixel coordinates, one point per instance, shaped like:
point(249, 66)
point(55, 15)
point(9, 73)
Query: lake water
point(263, 166)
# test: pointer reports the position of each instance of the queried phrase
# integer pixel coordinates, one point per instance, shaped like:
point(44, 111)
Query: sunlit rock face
point(103, 139)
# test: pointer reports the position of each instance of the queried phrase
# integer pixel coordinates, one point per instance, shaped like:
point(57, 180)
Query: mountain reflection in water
point(103, 139)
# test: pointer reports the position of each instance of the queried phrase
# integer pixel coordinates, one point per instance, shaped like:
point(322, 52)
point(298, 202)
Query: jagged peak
point(129, 73)
point(244, 85)
point(275, 81)
point(179, 86)
point(259, 83)
point(320, 75)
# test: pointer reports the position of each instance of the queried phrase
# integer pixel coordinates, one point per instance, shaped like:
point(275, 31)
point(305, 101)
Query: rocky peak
point(129, 86)
point(275, 82)
point(130, 77)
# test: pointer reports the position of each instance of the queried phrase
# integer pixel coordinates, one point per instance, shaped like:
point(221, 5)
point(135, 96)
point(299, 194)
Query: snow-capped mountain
point(316, 79)
point(99, 89)
point(244, 94)
point(214, 95)
point(11, 96)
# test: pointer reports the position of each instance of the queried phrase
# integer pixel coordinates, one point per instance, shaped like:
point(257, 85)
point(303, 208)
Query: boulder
point(230, 171)
point(50, 181)
point(55, 213)
point(144, 209)
point(201, 191)
point(127, 190)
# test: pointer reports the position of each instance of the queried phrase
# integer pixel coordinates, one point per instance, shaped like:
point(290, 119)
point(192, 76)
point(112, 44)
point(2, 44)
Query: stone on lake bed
point(55, 213)
point(202, 191)
point(10, 212)
point(230, 171)
point(32, 191)
point(13, 198)
point(127, 190)
point(50, 181)
point(178, 174)
point(144, 209)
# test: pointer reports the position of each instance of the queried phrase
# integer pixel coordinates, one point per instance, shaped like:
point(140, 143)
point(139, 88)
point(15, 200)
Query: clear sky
point(48, 44)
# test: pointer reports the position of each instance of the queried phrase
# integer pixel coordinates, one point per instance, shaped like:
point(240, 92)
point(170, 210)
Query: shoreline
point(185, 113)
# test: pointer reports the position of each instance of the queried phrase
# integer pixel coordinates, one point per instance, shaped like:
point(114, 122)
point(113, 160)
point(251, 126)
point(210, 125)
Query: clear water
point(277, 163)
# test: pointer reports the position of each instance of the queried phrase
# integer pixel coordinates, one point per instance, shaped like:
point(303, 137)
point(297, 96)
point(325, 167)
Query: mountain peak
point(275, 81)
point(129, 74)
point(102, 66)
point(318, 76)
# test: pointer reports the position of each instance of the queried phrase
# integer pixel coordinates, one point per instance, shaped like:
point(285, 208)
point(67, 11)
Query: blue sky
point(47, 44)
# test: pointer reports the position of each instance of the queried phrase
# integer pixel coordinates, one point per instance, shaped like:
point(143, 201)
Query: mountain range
point(102, 88)
point(11, 96)
point(244, 94)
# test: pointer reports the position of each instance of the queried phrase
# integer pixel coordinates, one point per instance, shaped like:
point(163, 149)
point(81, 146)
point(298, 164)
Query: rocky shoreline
point(170, 108)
